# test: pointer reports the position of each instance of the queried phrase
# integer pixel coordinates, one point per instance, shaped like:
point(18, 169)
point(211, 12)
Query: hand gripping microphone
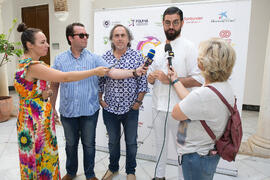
point(149, 58)
point(168, 48)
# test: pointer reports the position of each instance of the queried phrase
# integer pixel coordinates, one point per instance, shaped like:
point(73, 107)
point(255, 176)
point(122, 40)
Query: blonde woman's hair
point(217, 58)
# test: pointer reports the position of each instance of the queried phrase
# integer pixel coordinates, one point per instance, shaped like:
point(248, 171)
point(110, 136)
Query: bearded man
point(164, 97)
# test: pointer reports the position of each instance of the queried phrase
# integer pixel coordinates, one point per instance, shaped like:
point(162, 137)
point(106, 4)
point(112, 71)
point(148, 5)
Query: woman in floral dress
point(38, 151)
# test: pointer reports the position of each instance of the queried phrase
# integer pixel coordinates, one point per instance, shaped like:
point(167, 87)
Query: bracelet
point(139, 102)
point(135, 73)
point(175, 81)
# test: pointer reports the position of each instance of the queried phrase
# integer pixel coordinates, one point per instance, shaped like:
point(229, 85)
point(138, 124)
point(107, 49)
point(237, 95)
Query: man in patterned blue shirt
point(122, 100)
point(79, 105)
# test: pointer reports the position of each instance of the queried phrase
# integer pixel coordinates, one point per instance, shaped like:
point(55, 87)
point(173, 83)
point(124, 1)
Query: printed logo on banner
point(131, 22)
point(223, 15)
point(108, 23)
point(105, 40)
point(226, 35)
point(150, 42)
point(138, 22)
point(223, 18)
point(193, 20)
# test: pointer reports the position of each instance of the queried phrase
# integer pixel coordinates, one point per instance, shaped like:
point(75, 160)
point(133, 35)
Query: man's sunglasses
point(81, 35)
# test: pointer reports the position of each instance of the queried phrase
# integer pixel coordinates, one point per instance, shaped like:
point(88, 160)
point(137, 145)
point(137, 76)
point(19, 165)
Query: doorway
point(38, 17)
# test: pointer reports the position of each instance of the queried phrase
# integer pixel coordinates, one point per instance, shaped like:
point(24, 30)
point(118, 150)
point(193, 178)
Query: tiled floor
point(251, 168)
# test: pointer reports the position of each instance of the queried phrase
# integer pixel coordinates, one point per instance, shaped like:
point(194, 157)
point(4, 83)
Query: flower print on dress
point(25, 141)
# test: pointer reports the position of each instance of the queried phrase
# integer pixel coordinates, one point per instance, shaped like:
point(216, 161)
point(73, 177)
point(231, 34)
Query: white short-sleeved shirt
point(185, 64)
point(203, 104)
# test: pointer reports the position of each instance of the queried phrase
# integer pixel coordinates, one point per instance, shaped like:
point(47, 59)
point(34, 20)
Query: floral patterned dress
point(38, 151)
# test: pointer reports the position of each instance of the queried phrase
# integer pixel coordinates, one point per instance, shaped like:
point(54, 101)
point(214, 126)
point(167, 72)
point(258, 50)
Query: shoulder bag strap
point(206, 127)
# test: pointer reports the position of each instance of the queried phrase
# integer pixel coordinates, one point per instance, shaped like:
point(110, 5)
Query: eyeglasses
point(174, 23)
point(81, 35)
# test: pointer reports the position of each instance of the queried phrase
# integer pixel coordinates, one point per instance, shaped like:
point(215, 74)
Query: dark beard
point(172, 37)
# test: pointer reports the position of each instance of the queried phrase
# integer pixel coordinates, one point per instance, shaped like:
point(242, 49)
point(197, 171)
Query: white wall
point(87, 18)
point(99, 4)
point(83, 10)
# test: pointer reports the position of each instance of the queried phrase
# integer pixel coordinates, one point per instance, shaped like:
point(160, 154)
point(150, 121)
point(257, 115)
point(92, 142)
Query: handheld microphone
point(168, 48)
point(149, 58)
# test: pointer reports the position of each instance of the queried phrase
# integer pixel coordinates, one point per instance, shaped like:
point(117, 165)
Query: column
point(259, 143)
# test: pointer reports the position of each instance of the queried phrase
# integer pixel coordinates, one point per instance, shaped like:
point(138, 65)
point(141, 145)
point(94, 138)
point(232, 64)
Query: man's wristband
point(135, 73)
point(139, 102)
point(175, 81)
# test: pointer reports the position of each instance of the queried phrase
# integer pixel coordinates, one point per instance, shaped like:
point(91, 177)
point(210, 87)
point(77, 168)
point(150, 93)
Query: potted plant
point(7, 49)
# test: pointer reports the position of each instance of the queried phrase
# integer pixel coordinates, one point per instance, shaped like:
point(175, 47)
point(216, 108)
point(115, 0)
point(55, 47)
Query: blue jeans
point(83, 127)
point(113, 122)
point(199, 167)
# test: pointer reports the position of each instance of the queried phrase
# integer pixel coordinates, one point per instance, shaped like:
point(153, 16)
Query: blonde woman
point(216, 60)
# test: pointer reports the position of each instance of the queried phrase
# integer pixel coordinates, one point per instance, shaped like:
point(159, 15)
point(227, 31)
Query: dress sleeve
point(26, 63)
point(41, 84)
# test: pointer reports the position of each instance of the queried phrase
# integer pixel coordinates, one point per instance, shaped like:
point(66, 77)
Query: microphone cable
point(165, 128)
point(153, 121)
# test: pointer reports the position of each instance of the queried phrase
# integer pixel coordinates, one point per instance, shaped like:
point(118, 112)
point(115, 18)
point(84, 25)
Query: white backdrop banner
point(228, 20)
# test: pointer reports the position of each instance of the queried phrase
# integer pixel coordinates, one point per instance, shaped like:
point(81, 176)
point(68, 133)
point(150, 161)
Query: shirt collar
point(82, 53)
point(128, 51)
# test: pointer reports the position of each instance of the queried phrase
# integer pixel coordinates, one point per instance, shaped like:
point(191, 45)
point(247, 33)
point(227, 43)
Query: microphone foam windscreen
point(168, 47)
point(151, 53)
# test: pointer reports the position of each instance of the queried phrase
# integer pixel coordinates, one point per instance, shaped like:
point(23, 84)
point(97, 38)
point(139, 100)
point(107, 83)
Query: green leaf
point(8, 48)
point(18, 53)
point(14, 21)
point(2, 36)
point(18, 43)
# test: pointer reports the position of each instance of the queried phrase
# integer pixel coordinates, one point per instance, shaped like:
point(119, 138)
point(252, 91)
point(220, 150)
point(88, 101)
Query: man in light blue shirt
point(79, 105)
